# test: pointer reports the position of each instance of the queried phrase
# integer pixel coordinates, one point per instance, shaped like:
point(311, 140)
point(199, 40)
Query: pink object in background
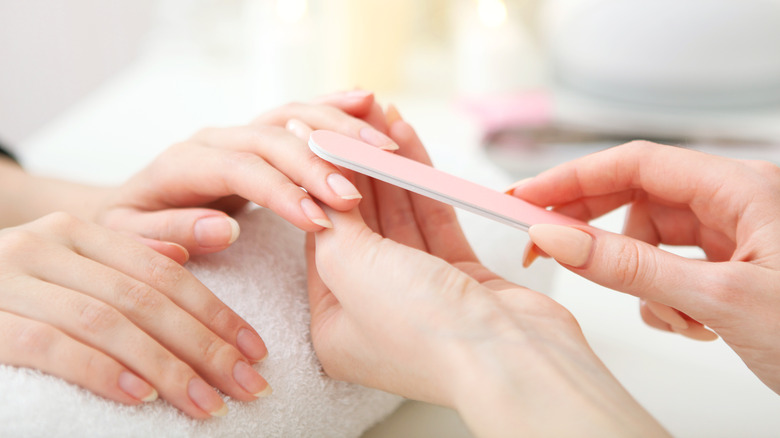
point(497, 112)
point(425, 180)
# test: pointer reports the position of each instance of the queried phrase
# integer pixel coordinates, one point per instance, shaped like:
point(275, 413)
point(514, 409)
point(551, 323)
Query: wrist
point(532, 375)
point(29, 197)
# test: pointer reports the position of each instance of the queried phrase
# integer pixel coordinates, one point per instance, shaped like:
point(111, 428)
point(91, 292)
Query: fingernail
point(358, 94)
point(510, 190)
point(376, 138)
point(315, 213)
point(136, 387)
point(530, 254)
point(697, 332)
point(569, 246)
point(342, 187)
point(249, 379)
point(392, 115)
point(250, 345)
point(183, 255)
point(667, 314)
point(216, 231)
point(206, 398)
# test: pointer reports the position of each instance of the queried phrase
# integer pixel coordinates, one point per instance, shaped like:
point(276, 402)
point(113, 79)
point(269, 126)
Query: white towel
point(262, 277)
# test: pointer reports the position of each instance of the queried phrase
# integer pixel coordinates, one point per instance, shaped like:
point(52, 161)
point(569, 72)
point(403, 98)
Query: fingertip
point(567, 245)
point(530, 254)
point(510, 190)
point(213, 233)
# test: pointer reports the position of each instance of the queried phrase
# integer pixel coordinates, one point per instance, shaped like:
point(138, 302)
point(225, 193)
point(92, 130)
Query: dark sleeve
point(4, 152)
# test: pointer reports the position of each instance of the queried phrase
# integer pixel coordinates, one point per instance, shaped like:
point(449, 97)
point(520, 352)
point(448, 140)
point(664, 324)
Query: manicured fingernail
point(530, 254)
point(251, 345)
point(569, 246)
point(216, 231)
point(667, 314)
point(342, 187)
point(358, 94)
point(315, 213)
point(206, 398)
point(697, 332)
point(510, 190)
point(249, 379)
point(392, 115)
point(137, 388)
point(376, 138)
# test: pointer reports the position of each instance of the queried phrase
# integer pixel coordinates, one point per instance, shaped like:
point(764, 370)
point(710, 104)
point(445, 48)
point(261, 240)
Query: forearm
point(24, 197)
point(526, 384)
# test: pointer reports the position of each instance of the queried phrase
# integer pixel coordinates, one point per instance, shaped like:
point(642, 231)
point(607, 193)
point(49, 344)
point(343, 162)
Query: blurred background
point(92, 90)
point(542, 80)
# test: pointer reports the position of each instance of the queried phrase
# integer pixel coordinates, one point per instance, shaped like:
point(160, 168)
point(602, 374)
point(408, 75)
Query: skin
point(92, 289)
point(727, 207)
point(399, 302)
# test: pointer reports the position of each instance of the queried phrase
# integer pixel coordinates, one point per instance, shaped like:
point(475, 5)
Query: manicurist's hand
point(104, 311)
point(727, 207)
point(186, 194)
point(399, 302)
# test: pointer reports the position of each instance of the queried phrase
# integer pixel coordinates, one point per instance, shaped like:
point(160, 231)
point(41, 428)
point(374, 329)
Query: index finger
point(670, 174)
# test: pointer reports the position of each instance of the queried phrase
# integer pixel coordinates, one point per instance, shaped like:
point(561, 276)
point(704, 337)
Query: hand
point(440, 327)
point(729, 208)
point(185, 195)
point(105, 312)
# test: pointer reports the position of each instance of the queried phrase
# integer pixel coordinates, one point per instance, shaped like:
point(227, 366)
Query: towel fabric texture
point(262, 277)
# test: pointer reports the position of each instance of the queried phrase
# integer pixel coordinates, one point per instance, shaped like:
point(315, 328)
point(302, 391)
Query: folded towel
point(263, 278)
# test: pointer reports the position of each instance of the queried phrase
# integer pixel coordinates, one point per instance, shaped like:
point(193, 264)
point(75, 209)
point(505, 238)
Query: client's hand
point(105, 312)
point(185, 195)
point(727, 207)
point(442, 328)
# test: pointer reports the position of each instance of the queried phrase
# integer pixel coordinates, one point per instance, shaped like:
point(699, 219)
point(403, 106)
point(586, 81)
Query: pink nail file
point(433, 183)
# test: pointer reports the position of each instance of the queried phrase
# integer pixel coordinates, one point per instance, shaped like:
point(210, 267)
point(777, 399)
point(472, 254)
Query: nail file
point(427, 181)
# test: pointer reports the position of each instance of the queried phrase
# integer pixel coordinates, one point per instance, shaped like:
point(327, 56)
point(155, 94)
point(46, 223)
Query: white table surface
point(694, 389)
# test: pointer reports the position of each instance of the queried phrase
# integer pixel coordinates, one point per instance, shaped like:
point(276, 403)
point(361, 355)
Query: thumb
point(199, 230)
point(626, 264)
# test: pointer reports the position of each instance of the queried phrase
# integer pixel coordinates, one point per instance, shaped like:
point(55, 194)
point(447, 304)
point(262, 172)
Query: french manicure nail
point(136, 387)
point(530, 254)
point(216, 231)
point(342, 187)
point(376, 138)
point(250, 345)
point(249, 379)
point(315, 213)
point(510, 190)
point(667, 314)
point(206, 398)
point(568, 245)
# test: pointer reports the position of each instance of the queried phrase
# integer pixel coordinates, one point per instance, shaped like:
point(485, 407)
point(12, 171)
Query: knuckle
point(221, 317)
point(163, 273)
point(140, 297)
point(61, 220)
point(34, 339)
point(239, 161)
point(15, 241)
point(97, 317)
point(215, 349)
point(627, 265)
